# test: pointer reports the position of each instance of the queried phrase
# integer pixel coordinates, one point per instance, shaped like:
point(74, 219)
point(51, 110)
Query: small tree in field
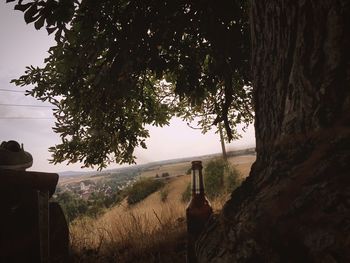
point(219, 176)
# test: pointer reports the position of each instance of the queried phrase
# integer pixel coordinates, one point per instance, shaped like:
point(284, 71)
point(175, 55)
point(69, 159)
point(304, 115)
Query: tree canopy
point(119, 65)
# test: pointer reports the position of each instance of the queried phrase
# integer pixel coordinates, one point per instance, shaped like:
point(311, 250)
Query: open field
point(243, 163)
point(173, 167)
point(76, 179)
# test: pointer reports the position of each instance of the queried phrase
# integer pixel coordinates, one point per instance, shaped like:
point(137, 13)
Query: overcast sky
point(21, 45)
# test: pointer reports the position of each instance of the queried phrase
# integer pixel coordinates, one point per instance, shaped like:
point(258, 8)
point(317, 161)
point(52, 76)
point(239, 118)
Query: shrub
point(214, 177)
point(186, 195)
point(220, 176)
point(142, 188)
point(165, 174)
point(232, 179)
point(73, 206)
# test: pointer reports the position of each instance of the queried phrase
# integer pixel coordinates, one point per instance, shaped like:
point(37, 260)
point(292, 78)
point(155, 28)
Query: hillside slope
point(126, 232)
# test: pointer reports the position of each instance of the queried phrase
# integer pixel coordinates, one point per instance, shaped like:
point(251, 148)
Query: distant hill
point(71, 173)
point(143, 167)
point(154, 225)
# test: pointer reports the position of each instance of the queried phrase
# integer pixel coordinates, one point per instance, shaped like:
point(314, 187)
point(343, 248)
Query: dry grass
point(125, 234)
point(150, 231)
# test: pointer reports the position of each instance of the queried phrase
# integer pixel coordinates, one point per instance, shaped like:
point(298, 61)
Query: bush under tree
point(219, 178)
point(143, 188)
point(214, 177)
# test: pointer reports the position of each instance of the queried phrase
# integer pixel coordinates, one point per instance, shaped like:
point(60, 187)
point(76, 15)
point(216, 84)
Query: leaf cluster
point(219, 176)
point(120, 65)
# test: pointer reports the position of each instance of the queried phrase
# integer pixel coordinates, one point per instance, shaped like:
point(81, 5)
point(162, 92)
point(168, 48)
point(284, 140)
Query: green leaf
point(29, 15)
point(39, 23)
point(107, 68)
point(50, 30)
point(22, 7)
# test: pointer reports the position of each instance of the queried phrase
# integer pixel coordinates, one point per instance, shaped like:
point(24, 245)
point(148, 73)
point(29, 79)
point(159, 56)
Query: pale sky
point(21, 45)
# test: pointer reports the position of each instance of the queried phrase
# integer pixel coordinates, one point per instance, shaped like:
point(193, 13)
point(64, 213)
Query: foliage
point(118, 66)
point(214, 177)
point(206, 115)
point(232, 179)
point(74, 206)
point(166, 174)
point(219, 177)
point(143, 188)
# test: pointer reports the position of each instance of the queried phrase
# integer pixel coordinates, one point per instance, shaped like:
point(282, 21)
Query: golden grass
point(124, 234)
point(127, 232)
point(149, 231)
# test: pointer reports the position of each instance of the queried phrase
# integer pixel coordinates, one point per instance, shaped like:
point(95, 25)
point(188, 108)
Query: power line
point(9, 90)
point(26, 118)
point(25, 105)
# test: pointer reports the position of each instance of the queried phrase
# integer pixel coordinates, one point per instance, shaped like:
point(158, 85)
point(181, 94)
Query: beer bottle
point(198, 210)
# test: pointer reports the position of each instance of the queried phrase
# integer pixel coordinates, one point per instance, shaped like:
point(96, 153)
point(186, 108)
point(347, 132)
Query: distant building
point(84, 187)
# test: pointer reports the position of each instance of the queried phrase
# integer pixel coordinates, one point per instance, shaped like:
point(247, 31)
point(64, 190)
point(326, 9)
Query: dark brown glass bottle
point(198, 210)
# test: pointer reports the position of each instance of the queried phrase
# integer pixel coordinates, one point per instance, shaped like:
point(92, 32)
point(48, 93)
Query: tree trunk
point(295, 205)
point(222, 141)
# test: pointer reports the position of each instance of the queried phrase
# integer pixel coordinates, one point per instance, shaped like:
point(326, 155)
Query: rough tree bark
point(295, 205)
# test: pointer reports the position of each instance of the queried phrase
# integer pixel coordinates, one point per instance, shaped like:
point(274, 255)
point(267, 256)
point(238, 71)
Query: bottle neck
point(197, 182)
